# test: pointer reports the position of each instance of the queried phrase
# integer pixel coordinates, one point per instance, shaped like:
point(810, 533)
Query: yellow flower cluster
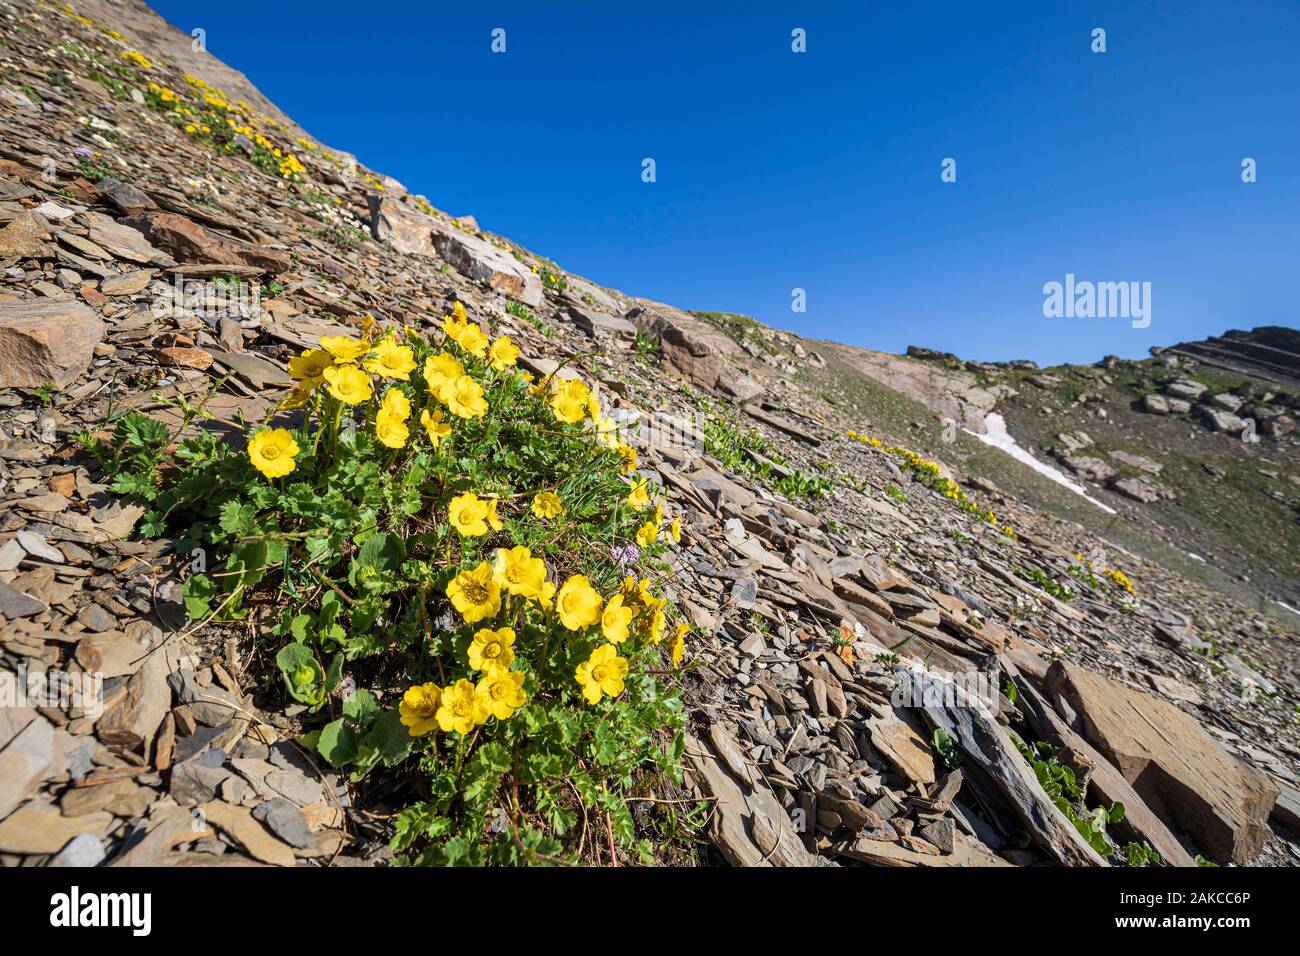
point(929, 473)
point(138, 59)
point(1119, 579)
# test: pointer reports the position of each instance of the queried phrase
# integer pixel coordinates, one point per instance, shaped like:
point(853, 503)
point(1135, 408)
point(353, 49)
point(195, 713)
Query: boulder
point(23, 238)
point(1185, 388)
point(600, 323)
point(480, 260)
point(1181, 772)
point(407, 230)
point(46, 340)
point(1141, 489)
point(1155, 404)
point(1090, 469)
point(1220, 420)
point(695, 349)
point(187, 241)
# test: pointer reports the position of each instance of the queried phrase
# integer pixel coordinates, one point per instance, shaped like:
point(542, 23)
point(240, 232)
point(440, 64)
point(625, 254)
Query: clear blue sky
point(821, 170)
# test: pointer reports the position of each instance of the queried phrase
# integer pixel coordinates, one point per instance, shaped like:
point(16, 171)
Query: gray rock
point(1185, 388)
point(83, 850)
point(1155, 404)
point(286, 821)
point(15, 604)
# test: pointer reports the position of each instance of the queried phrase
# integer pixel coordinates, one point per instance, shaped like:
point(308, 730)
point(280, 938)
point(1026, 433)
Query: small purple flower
point(82, 151)
point(625, 554)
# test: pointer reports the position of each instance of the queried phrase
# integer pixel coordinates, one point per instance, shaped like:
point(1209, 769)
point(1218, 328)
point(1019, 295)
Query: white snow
point(995, 434)
point(1287, 606)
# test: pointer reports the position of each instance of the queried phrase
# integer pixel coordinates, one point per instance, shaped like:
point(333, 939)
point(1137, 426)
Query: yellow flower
point(309, 367)
point(614, 622)
point(390, 429)
point(646, 534)
point(519, 572)
point(504, 353)
point(569, 402)
point(434, 426)
point(468, 514)
point(397, 404)
point(658, 515)
point(493, 519)
point(392, 360)
point(546, 599)
point(639, 497)
point(547, 505)
point(675, 529)
point(602, 673)
point(492, 650)
point(658, 621)
point(419, 708)
point(465, 398)
point(502, 693)
point(475, 594)
point(298, 398)
point(460, 708)
point(628, 454)
point(348, 384)
point(440, 372)
point(272, 451)
point(344, 348)
point(578, 604)
point(677, 646)
point(472, 340)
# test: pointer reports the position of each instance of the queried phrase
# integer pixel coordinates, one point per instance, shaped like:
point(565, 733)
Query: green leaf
point(303, 675)
point(361, 707)
point(338, 743)
point(198, 592)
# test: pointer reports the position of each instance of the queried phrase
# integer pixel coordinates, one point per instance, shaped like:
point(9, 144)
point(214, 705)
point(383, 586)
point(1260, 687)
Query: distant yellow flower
point(441, 372)
point(628, 454)
point(501, 693)
point(546, 599)
point(646, 534)
point(460, 708)
point(475, 594)
point(348, 384)
point(468, 514)
point(390, 428)
point(639, 497)
point(504, 353)
point(272, 451)
point(677, 646)
point(675, 529)
point(309, 367)
point(344, 348)
point(519, 572)
point(547, 505)
point(297, 398)
point(493, 519)
point(578, 604)
point(602, 673)
point(658, 621)
point(434, 426)
point(392, 360)
point(569, 401)
point(492, 650)
point(465, 398)
point(418, 709)
point(614, 622)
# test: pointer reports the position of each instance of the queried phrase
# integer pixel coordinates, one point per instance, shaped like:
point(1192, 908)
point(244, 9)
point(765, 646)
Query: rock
point(1186, 389)
point(83, 850)
point(111, 654)
point(695, 349)
point(36, 546)
point(1141, 489)
point(187, 241)
point(122, 798)
point(1179, 406)
point(25, 761)
point(408, 231)
point(128, 283)
point(39, 828)
point(15, 604)
point(128, 200)
point(1220, 420)
point(593, 322)
point(129, 723)
point(1177, 768)
point(483, 262)
point(238, 823)
point(1228, 401)
point(286, 821)
point(46, 341)
point(1139, 462)
point(198, 779)
point(1279, 426)
point(1091, 469)
point(22, 238)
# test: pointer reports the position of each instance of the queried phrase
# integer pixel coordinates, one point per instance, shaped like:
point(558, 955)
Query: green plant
point(647, 348)
point(745, 450)
point(439, 524)
point(1055, 589)
point(896, 494)
point(45, 392)
point(520, 311)
point(946, 748)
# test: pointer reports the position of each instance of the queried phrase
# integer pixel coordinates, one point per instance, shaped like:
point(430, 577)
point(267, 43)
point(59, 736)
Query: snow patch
point(1287, 606)
point(996, 434)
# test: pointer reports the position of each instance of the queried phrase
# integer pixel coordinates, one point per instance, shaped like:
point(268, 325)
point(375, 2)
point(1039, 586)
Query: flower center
point(492, 651)
point(476, 592)
point(270, 452)
point(598, 673)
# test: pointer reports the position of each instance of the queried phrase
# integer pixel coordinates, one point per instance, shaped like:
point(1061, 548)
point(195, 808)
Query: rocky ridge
point(856, 630)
